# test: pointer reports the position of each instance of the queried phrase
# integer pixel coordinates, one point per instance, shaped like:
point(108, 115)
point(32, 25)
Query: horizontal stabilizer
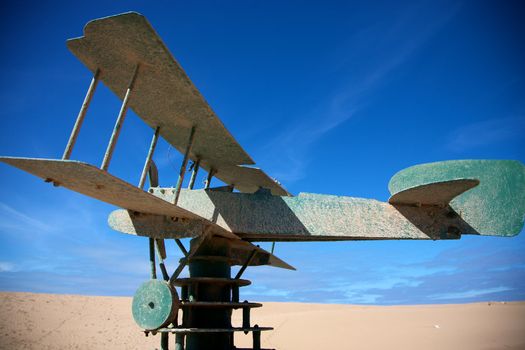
point(496, 207)
point(94, 182)
point(437, 193)
point(241, 250)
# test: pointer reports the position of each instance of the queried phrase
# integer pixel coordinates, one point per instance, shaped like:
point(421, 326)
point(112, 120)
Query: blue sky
point(327, 97)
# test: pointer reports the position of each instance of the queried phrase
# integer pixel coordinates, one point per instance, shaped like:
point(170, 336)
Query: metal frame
point(118, 123)
point(81, 115)
point(147, 163)
point(182, 170)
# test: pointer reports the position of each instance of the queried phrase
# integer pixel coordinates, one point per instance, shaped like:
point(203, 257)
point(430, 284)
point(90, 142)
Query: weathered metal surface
point(183, 165)
point(159, 226)
point(228, 305)
point(256, 338)
point(91, 181)
point(81, 115)
point(155, 305)
point(316, 217)
point(245, 264)
point(312, 217)
point(161, 248)
point(209, 296)
point(245, 318)
point(240, 251)
point(161, 253)
point(152, 263)
point(438, 193)
point(147, 162)
point(495, 207)
point(214, 330)
point(195, 243)
point(194, 171)
point(247, 179)
point(150, 225)
point(163, 95)
point(209, 177)
point(214, 289)
point(210, 280)
point(181, 247)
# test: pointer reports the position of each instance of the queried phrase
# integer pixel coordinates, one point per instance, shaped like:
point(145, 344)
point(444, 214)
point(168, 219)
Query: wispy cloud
point(468, 294)
point(6, 266)
point(486, 133)
point(468, 270)
point(12, 219)
point(370, 58)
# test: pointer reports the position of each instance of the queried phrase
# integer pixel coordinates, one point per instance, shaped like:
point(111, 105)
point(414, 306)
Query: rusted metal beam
point(194, 172)
point(182, 171)
point(198, 242)
point(81, 114)
point(209, 178)
point(149, 157)
point(246, 318)
point(179, 341)
point(256, 338)
point(165, 274)
point(181, 247)
point(245, 265)
point(164, 341)
point(120, 120)
point(152, 258)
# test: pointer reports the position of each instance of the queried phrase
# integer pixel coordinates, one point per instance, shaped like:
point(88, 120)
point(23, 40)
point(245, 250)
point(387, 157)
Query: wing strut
point(209, 178)
point(119, 122)
point(81, 115)
point(148, 158)
point(194, 172)
point(182, 171)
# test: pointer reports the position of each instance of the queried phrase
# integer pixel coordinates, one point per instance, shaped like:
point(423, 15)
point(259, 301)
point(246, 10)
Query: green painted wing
point(496, 207)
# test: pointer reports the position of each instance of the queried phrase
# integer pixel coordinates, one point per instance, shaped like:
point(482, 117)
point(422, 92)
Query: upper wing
point(163, 95)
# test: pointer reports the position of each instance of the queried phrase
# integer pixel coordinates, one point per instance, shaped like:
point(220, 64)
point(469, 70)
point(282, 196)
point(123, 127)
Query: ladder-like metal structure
point(208, 298)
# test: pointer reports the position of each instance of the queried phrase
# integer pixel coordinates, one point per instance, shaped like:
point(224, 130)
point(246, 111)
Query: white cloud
point(468, 294)
point(7, 266)
point(486, 132)
point(394, 43)
point(12, 219)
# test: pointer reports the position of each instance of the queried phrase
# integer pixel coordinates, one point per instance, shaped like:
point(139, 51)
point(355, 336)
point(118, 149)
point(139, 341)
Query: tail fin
point(496, 207)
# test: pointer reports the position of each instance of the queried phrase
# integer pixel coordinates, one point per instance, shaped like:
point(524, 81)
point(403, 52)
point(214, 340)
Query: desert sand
point(46, 321)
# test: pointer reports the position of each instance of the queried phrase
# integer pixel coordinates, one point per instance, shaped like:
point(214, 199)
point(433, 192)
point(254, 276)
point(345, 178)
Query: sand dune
point(45, 321)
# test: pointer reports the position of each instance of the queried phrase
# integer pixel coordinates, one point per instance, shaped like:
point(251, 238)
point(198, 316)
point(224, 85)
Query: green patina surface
point(495, 207)
point(436, 193)
point(314, 217)
point(154, 305)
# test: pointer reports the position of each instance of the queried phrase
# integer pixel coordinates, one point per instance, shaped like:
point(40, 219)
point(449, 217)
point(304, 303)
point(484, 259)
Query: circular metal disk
point(155, 305)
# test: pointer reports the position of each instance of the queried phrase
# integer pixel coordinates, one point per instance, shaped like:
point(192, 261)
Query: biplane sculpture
point(431, 201)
